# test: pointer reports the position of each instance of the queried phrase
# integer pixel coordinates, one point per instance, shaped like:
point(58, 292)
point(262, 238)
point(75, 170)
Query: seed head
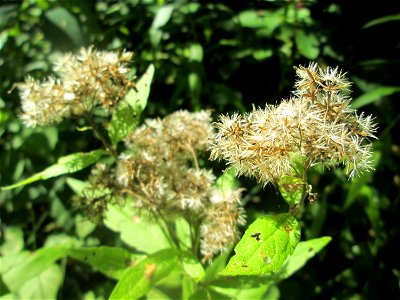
point(316, 125)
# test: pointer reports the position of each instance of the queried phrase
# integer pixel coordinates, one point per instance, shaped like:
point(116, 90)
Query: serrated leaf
point(265, 246)
point(138, 280)
point(291, 189)
point(111, 261)
point(303, 252)
point(127, 114)
point(65, 165)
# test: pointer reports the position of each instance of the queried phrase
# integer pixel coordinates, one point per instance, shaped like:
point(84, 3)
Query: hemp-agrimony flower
point(161, 172)
point(315, 126)
point(85, 81)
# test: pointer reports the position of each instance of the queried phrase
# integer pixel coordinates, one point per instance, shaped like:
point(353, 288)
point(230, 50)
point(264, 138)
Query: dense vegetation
point(223, 56)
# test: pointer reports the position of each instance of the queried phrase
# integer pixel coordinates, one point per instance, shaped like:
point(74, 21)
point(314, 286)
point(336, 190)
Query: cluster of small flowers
point(220, 228)
point(162, 174)
point(316, 126)
point(86, 80)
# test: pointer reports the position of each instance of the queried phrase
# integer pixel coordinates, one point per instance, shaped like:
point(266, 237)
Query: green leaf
point(182, 228)
point(111, 261)
point(66, 164)
point(265, 246)
point(67, 23)
point(18, 269)
point(162, 16)
point(262, 54)
point(374, 95)
point(83, 227)
point(3, 38)
point(242, 293)
point(307, 44)
point(268, 21)
point(193, 268)
point(127, 114)
point(13, 240)
point(218, 264)
point(138, 280)
point(303, 252)
point(43, 286)
point(291, 189)
point(227, 181)
point(382, 20)
point(194, 52)
point(135, 231)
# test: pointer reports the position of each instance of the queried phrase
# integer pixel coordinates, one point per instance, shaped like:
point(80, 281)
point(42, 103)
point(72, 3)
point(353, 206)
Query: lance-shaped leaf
point(65, 165)
point(303, 252)
point(138, 280)
point(111, 261)
point(265, 246)
point(127, 114)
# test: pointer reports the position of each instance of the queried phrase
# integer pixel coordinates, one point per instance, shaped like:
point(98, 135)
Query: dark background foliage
point(227, 56)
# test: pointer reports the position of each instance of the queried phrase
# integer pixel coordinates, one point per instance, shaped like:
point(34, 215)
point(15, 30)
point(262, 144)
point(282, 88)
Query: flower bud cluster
point(85, 81)
point(316, 125)
point(162, 174)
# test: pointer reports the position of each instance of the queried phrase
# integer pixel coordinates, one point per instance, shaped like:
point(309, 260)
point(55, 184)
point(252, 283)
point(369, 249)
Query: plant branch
point(110, 149)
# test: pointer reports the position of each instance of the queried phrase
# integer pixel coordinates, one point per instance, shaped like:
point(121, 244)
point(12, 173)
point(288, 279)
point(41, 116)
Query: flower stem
point(110, 149)
point(296, 209)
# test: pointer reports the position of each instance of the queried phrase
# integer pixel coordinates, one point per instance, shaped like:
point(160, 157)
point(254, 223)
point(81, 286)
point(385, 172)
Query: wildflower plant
point(280, 144)
point(149, 182)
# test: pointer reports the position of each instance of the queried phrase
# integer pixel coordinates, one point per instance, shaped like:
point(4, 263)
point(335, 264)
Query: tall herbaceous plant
point(148, 182)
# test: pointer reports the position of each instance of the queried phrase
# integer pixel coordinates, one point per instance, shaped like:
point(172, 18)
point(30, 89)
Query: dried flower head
point(316, 126)
point(220, 228)
point(162, 174)
point(86, 80)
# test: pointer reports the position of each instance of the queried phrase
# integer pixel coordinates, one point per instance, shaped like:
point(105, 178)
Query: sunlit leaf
point(227, 181)
point(138, 280)
point(43, 286)
point(265, 246)
point(127, 114)
point(111, 261)
point(162, 16)
point(65, 165)
point(135, 231)
point(22, 267)
point(291, 189)
point(303, 252)
point(374, 95)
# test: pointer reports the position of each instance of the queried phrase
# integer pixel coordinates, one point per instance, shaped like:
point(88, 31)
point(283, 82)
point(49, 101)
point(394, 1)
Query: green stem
point(165, 228)
point(295, 210)
point(171, 231)
point(110, 149)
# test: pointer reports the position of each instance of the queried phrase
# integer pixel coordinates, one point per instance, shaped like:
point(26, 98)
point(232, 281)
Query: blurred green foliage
point(223, 55)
